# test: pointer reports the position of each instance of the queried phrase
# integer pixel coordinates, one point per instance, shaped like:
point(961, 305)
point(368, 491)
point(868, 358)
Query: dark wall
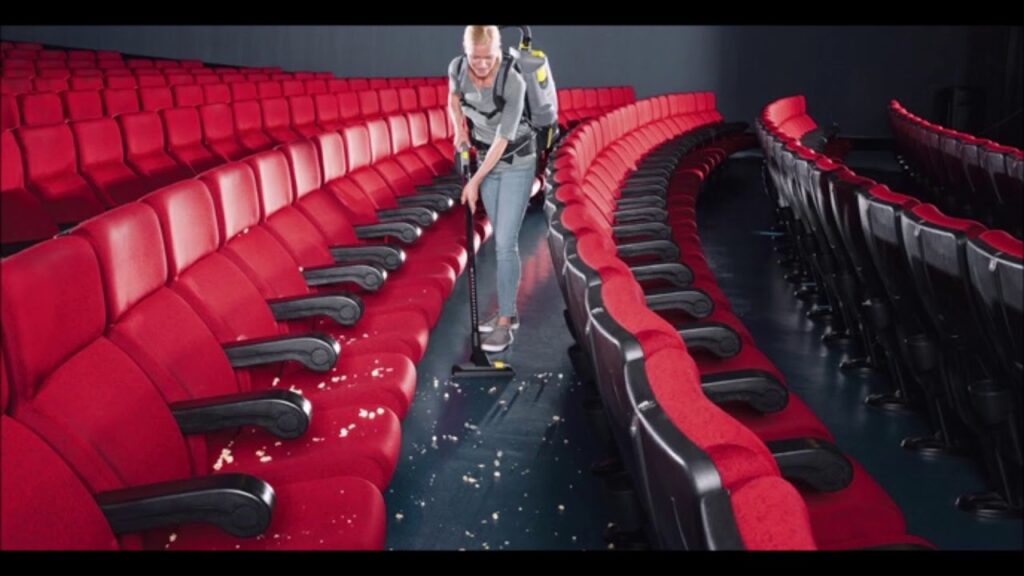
point(848, 73)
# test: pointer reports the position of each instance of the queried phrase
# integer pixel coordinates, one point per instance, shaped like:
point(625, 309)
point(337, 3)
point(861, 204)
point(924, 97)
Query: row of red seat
point(185, 371)
point(60, 174)
point(719, 452)
point(19, 81)
point(578, 104)
point(933, 300)
point(43, 108)
point(122, 142)
point(792, 119)
point(963, 174)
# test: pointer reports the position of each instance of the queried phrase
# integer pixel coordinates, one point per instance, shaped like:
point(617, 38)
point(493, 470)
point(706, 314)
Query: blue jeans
point(505, 197)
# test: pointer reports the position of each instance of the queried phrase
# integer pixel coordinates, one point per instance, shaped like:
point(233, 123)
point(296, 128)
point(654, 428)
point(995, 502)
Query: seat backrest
point(150, 322)
point(217, 122)
point(192, 95)
point(302, 110)
point(248, 116)
point(427, 97)
point(269, 89)
point(82, 104)
point(348, 107)
point(242, 91)
point(51, 170)
point(99, 143)
point(407, 100)
point(389, 102)
point(143, 134)
point(296, 233)
point(40, 109)
point(212, 285)
point(995, 261)
point(335, 85)
point(216, 93)
point(936, 255)
point(120, 101)
point(156, 98)
point(318, 205)
point(248, 244)
point(292, 88)
point(842, 188)
point(31, 518)
point(315, 86)
point(75, 388)
point(380, 140)
point(326, 108)
point(369, 103)
point(880, 214)
point(275, 114)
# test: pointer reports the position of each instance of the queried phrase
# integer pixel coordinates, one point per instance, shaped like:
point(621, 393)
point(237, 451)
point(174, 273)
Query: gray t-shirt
point(508, 124)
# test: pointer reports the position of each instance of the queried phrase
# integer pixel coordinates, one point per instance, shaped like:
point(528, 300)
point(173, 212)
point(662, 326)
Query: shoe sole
point(489, 329)
point(492, 348)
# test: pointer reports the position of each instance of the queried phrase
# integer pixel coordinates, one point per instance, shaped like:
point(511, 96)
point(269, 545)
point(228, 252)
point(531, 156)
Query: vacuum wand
point(479, 366)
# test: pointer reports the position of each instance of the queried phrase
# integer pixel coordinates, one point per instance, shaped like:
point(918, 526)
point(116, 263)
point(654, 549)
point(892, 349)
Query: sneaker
point(499, 339)
point(488, 327)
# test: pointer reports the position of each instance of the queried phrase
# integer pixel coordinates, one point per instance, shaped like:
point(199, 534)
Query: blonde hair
point(481, 35)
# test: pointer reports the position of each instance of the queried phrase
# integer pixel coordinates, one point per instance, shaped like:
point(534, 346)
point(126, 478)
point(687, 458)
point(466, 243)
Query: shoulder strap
point(460, 72)
point(460, 77)
point(499, 89)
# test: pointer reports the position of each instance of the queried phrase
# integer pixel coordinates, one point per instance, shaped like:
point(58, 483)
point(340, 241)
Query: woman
point(505, 142)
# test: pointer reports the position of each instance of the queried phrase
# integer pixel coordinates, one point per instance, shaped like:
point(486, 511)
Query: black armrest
point(713, 337)
point(658, 170)
point(318, 352)
point(814, 462)
point(238, 504)
point(363, 275)
point(343, 308)
point(383, 255)
point(669, 151)
point(815, 139)
point(632, 190)
point(421, 216)
point(406, 232)
point(628, 203)
point(640, 214)
point(704, 132)
point(692, 301)
point(435, 202)
point(666, 151)
point(283, 413)
point(447, 179)
point(663, 249)
point(662, 153)
point(668, 156)
point(452, 191)
point(755, 388)
point(683, 146)
point(677, 273)
point(645, 229)
point(642, 180)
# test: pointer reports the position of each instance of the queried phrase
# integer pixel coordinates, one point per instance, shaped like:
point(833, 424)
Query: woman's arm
point(494, 154)
point(472, 189)
point(458, 121)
